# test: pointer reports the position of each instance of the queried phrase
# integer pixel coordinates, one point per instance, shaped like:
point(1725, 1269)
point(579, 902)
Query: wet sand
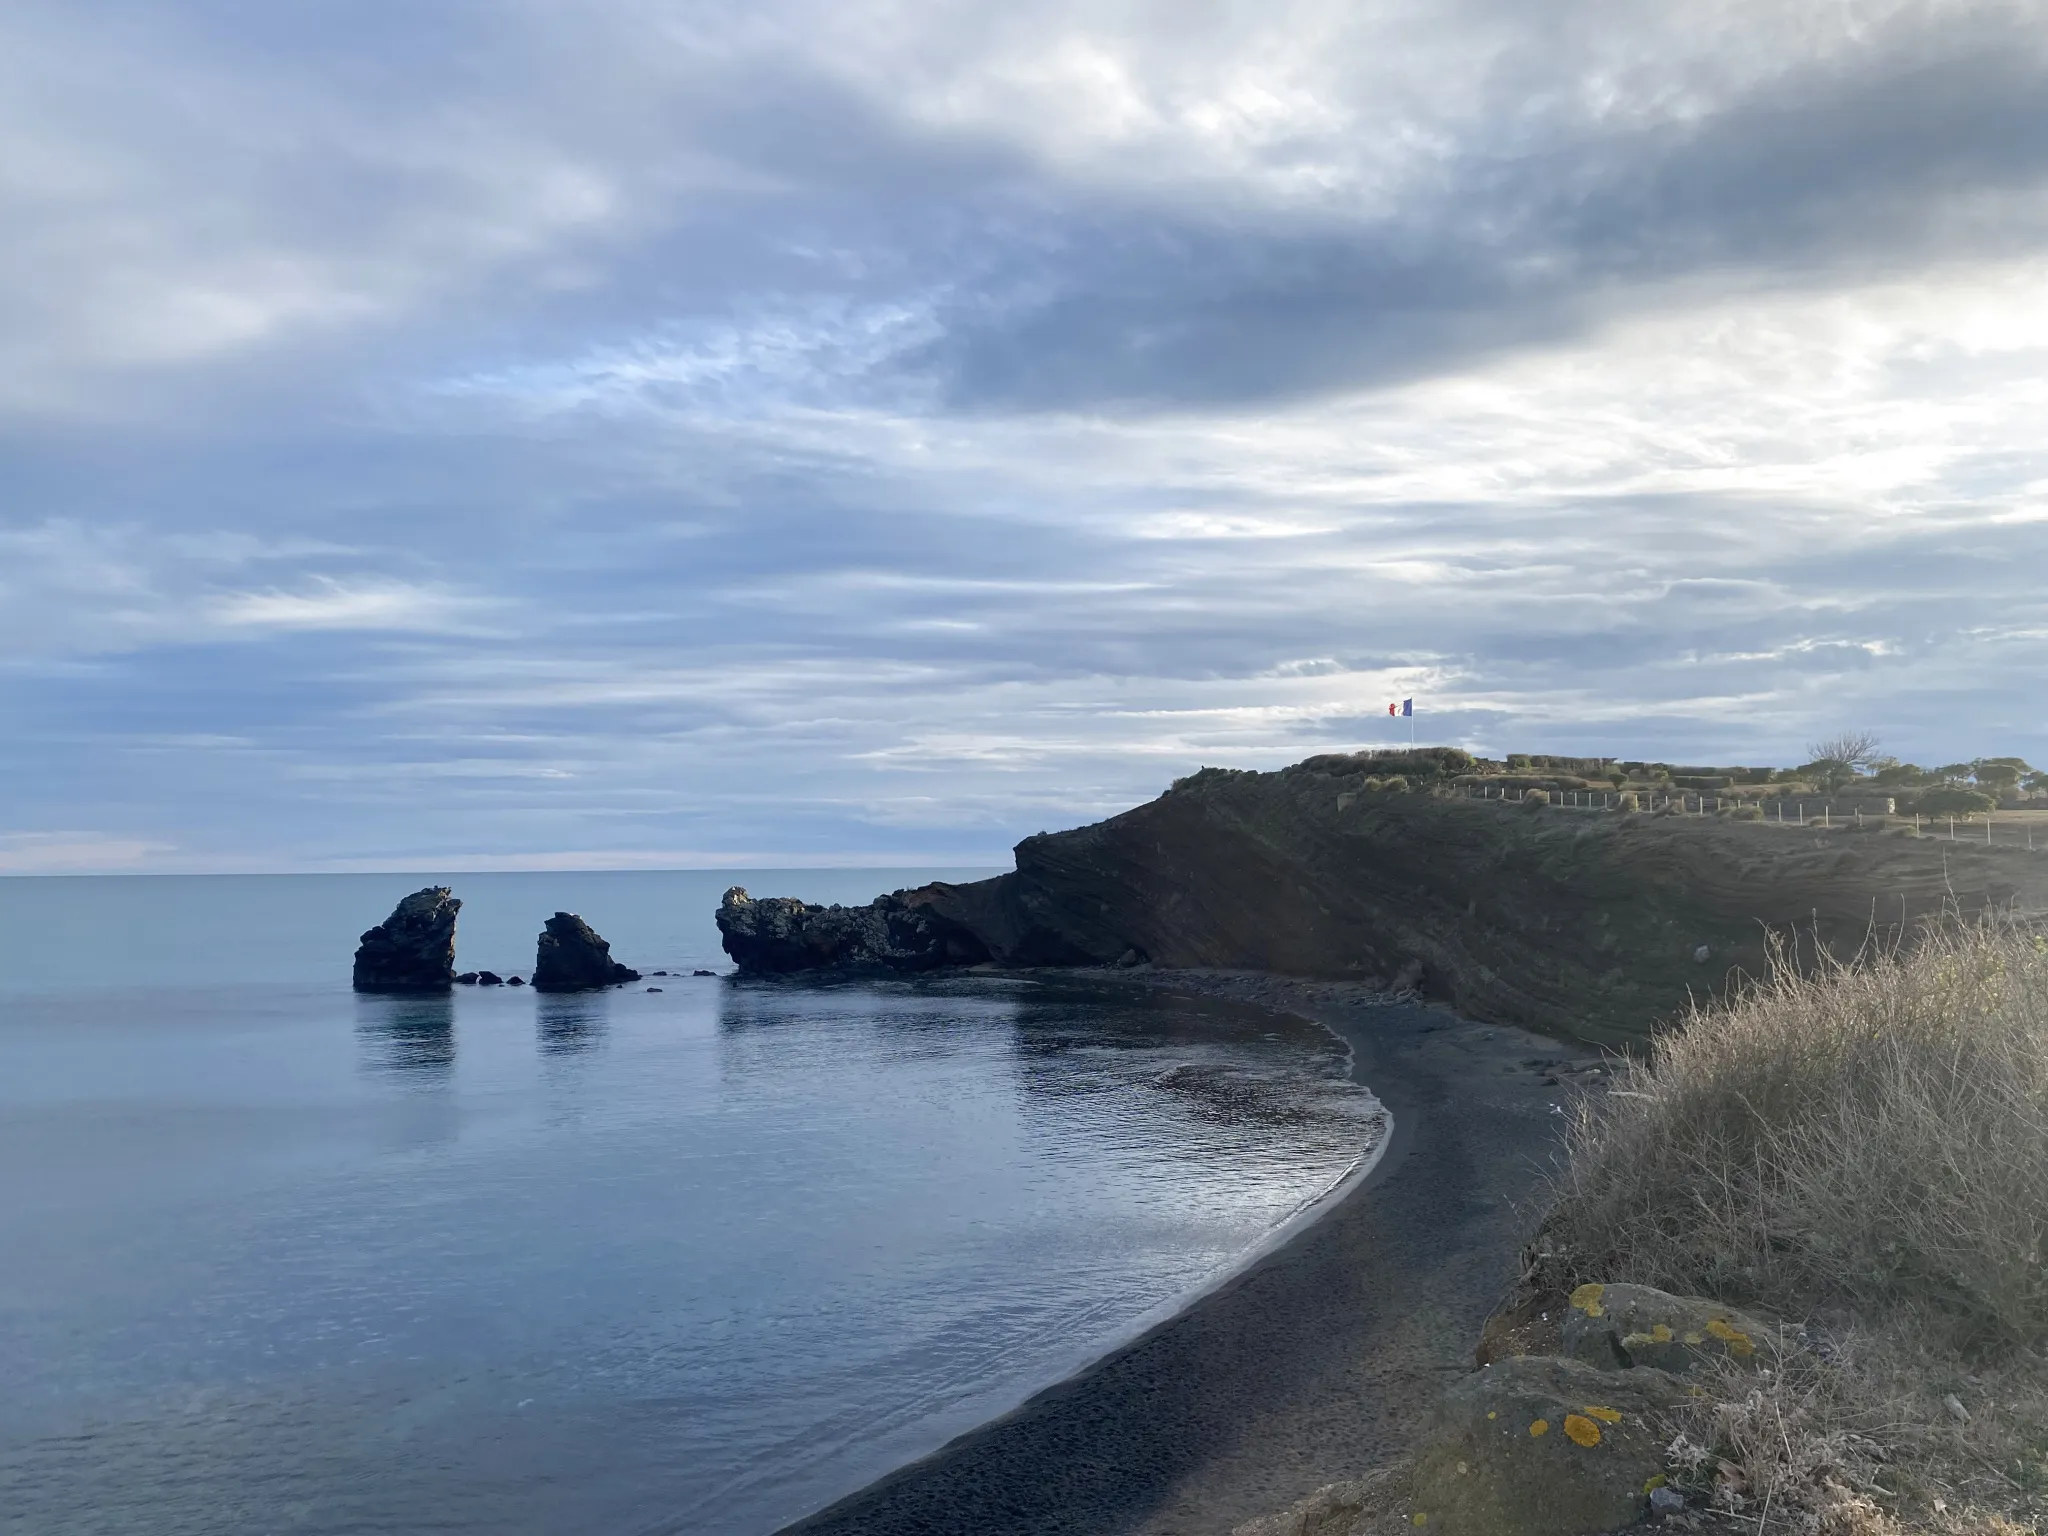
point(1312, 1365)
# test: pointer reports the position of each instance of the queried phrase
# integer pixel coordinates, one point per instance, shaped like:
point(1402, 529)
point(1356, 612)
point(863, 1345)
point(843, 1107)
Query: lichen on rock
point(1617, 1327)
point(1492, 1465)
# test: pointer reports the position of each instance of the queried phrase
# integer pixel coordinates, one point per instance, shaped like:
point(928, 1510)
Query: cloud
point(632, 431)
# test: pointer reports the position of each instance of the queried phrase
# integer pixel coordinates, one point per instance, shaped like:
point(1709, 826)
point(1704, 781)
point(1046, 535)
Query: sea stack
point(413, 950)
point(571, 957)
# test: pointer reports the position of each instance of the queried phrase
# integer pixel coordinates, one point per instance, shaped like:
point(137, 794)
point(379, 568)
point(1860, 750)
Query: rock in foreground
point(413, 950)
point(571, 957)
point(1540, 1446)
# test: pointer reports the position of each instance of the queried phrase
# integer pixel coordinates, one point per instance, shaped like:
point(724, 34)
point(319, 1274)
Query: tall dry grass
point(1873, 1134)
point(1865, 1146)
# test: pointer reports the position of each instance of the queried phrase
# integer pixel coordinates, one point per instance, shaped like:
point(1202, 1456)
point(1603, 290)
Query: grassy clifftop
point(1587, 924)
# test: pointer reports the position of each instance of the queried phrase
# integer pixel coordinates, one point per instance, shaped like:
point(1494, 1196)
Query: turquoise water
point(279, 1258)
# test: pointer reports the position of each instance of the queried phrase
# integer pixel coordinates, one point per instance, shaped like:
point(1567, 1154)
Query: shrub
point(1954, 802)
point(1536, 797)
point(1871, 1133)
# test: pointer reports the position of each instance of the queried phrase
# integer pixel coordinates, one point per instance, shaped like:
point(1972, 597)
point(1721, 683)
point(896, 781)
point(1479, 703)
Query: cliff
point(1583, 924)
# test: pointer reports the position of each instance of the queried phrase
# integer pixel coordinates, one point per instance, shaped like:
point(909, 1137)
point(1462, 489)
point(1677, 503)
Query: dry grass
point(1866, 1148)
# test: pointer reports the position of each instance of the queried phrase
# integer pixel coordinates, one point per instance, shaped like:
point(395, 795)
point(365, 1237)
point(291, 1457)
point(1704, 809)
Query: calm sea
point(276, 1258)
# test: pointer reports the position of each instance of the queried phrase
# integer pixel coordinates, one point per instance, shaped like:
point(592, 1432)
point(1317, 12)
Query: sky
point(629, 433)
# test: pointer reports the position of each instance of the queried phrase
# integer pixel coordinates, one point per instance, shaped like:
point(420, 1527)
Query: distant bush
point(1951, 801)
point(1536, 797)
point(1747, 812)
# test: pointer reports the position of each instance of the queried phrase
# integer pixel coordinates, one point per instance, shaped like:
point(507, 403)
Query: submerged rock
point(489, 979)
point(571, 957)
point(412, 950)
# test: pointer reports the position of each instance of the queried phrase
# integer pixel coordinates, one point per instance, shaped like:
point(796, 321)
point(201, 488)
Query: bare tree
point(1838, 759)
point(1855, 748)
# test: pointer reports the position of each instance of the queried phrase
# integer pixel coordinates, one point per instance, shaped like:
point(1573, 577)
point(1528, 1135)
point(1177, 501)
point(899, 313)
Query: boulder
point(489, 979)
point(1542, 1446)
point(467, 979)
point(571, 957)
point(515, 981)
point(412, 950)
point(1619, 1327)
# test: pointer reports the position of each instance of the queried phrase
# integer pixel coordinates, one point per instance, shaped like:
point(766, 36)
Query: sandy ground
point(1314, 1364)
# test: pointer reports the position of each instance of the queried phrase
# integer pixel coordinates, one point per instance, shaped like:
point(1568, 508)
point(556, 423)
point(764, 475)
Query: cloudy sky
point(644, 432)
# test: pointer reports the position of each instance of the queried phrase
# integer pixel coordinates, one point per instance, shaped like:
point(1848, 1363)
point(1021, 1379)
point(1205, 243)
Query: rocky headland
point(412, 950)
point(1587, 924)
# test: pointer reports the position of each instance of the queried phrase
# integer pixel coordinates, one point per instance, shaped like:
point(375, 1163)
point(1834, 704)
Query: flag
point(1407, 706)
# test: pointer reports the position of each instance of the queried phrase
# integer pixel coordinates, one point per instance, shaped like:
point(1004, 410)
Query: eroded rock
point(570, 957)
point(1542, 1446)
point(1619, 1327)
point(412, 950)
point(777, 935)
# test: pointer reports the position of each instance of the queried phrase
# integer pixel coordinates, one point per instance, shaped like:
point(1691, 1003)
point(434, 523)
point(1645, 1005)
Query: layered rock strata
point(1584, 924)
point(412, 950)
point(570, 957)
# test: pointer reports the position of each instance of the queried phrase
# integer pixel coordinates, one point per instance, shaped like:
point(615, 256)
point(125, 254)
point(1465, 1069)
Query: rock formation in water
point(413, 950)
point(571, 958)
point(901, 932)
point(1583, 924)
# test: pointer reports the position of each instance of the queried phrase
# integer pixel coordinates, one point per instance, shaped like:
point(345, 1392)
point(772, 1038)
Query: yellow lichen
point(1491, 1414)
point(1587, 1298)
point(1661, 1334)
point(1654, 1483)
point(1738, 1342)
point(1604, 1415)
point(1419, 1518)
point(1581, 1430)
point(1540, 1427)
point(1695, 1338)
point(1461, 1469)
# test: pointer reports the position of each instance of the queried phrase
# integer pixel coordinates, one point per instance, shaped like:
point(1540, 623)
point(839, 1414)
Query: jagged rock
point(467, 978)
point(1619, 1327)
point(489, 979)
point(1542, 1446)
point(413, 950)
point(898, 932)
point(703, 973)
point(571, 957)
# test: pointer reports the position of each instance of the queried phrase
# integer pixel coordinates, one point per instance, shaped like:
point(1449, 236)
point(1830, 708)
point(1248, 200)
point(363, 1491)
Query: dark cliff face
point(413, 950)
point(1587, 925)
point(570, 957)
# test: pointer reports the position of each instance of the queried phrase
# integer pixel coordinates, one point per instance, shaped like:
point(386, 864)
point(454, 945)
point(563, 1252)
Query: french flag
point(1405, 707)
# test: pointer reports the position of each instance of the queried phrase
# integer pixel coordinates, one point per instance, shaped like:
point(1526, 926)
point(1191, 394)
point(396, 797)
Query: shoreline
point(1312, 1359)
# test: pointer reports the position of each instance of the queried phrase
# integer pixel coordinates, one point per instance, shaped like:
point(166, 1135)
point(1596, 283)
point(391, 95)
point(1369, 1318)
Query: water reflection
point(410, 1035)
point(568, 1023)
